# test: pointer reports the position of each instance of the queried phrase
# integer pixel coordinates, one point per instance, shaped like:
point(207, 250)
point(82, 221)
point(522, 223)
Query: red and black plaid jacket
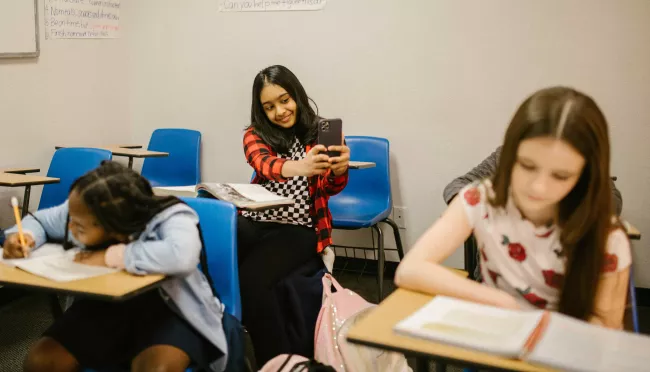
point(268, 166)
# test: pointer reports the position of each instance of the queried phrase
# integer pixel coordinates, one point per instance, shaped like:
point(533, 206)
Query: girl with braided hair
point(112, 213)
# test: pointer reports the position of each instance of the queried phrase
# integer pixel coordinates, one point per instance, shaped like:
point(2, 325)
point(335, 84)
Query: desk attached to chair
point(15, 178)
point(129, 151)
point(376, 330)
point(117, 286)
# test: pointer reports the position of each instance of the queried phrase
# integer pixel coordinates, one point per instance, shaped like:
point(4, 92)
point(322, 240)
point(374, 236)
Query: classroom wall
point(75, 93)
point(440, 79)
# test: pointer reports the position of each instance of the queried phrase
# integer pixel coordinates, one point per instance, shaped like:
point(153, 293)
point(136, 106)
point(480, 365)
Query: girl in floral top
point(543, 223)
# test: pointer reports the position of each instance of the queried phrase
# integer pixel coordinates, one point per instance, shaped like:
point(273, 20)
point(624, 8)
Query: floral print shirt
point(522, 259)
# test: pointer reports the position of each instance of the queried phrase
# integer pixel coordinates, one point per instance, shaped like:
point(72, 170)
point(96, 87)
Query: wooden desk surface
point(361, 164)
point(104, 146)
point(132, 151)
point(137, 153)
point(632, 232)
point(376, 330)
point(115, 287)
point(20, 170)
point(14, 180)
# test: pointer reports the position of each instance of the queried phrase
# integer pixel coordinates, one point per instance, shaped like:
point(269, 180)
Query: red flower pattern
point(611, 263)
point(534, 299)
point(546, 234)
point(517, 252)
point(483, 255)
point(553, 279)
point(472, 196)
point(493, 276)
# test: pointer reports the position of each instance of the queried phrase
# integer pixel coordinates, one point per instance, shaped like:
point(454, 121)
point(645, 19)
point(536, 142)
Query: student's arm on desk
point(421, 269)
point(611, 296)
point(177, 252)
point(49, 222)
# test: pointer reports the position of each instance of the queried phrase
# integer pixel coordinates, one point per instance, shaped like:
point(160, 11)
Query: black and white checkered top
point(296, 188)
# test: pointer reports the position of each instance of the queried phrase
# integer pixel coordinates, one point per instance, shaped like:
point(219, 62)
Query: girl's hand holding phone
point(316, 162)
point(339, 164)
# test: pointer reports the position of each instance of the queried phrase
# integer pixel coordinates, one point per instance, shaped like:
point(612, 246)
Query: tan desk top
point(137, 153)
point(361, 164)
point(117, 286)
point(132, 151)
point(14, 180)
point(105, 146)
point(632, 232)
point(20, 170)
point(376, 330)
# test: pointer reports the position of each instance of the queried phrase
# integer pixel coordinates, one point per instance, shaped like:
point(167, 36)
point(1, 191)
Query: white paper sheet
point(51, 261)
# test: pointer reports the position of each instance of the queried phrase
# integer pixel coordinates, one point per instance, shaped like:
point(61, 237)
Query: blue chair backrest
point(68, 164)
point(372, 183)
point(183, 165)
point(219, 228)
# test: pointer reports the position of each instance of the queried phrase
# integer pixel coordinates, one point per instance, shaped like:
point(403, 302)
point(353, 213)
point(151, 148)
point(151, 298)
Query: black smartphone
point(330, 133)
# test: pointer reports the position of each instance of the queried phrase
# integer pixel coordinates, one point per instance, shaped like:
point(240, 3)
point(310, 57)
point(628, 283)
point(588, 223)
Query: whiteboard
point(19, 28)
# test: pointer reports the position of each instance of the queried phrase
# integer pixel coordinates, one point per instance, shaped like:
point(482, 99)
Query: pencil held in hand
point(21, 236)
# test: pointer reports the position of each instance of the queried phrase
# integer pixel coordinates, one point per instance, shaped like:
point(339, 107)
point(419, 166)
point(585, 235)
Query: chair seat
point(350, 212)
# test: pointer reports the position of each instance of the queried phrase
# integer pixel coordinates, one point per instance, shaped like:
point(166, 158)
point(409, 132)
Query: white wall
point(440, 79)
point(75, 93)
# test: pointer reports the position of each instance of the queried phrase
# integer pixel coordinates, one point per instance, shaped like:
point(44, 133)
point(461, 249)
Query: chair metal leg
point(398, 238)
point(381, 258)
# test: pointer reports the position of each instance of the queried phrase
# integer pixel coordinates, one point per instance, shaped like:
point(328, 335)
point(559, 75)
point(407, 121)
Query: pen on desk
point(21, 236)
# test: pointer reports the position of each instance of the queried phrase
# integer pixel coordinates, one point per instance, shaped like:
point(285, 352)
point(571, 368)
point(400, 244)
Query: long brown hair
point(585, 214)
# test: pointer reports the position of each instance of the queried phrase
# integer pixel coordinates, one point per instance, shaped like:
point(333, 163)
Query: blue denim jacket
point(170, 244)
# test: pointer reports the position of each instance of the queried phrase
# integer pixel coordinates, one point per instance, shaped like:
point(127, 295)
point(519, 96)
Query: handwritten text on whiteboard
point(270, 5)
point(82, 19)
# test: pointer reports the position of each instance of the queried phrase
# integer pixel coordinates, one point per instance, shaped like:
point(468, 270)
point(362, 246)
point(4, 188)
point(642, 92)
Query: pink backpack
point(293, 363)
point(338, 312)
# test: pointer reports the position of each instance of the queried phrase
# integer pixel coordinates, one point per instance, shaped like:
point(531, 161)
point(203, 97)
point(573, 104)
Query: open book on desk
point(541, 337)
point(51, 261)
point(242, 195)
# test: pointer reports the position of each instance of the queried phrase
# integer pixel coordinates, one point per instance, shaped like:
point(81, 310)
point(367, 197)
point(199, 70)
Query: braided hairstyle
point(121, 199)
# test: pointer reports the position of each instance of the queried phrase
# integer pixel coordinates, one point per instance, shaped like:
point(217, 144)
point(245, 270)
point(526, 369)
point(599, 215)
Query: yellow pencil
point(21, 236)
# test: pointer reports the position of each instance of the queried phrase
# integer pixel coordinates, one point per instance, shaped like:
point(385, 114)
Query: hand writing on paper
point(94, 258)
point(13, 249)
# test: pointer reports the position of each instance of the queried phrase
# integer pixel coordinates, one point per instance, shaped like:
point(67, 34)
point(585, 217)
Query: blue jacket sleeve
point(175, 249)
point(45, 223)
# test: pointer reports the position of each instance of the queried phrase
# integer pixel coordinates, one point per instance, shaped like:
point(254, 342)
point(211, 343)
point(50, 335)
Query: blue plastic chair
point(183, 165)
point(68, 164)
point(219, 228)
point(366, 200)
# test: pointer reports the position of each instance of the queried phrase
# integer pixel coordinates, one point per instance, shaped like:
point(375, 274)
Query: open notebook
point(242, 195)
point(51, 261)
point(540, 337)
